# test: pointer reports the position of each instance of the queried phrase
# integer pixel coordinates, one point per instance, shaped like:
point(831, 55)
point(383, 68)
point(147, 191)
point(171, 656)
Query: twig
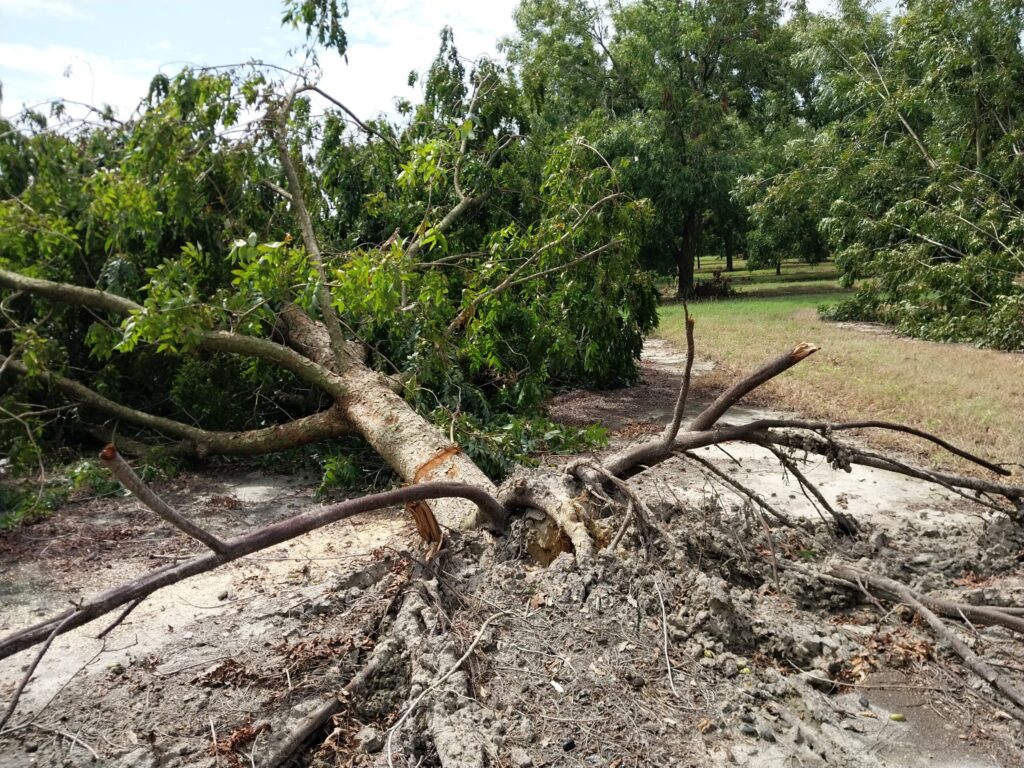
point(742, 489)
point(75, 738)
point(451, 671)
point(845, 523)
point(31, 670)
point(672, 429)
point(622, 528)
point(664, 638)
point(123, 615)
point(113, 461)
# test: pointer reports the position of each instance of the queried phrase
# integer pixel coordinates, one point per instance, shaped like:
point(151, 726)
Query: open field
point(970, 396)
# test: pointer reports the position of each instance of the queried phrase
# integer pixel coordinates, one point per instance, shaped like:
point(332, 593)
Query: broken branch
point(706, 418)
point(669, 435)
point(237, 547)
point(125, 475)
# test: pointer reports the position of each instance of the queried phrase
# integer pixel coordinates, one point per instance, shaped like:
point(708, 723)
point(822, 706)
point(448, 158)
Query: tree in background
point(671, 90)
point(911, 161)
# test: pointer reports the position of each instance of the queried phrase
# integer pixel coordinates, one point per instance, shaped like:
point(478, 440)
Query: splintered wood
point(426, 523)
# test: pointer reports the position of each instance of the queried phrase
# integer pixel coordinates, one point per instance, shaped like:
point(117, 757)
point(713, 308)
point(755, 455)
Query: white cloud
point(34, 74)
point(393, 37)
point(53, 9)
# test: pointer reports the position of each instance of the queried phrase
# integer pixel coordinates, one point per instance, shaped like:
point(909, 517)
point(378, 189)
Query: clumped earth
point(683, 647)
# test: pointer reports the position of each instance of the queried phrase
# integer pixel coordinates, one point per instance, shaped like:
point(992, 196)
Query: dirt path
point(694, 655)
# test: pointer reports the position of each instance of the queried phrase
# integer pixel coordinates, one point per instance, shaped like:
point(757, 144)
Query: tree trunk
point(411, 446)
point(729, 249)
point(778, 266)
point(687, 253)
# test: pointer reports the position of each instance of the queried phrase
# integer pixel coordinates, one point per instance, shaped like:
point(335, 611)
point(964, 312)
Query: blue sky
point(107, 51)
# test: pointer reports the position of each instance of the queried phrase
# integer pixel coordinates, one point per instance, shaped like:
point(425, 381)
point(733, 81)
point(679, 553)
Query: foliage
point(25, 503)
point(534, 285)
point(499, 448)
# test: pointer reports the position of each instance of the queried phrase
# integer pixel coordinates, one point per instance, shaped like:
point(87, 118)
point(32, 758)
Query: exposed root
point(444, 691)
point(555, 494)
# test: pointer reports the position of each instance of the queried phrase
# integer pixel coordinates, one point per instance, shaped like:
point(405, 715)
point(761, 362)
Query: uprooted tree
point(439, 279)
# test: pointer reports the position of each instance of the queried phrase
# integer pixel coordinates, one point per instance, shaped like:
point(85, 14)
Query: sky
point(107, 51)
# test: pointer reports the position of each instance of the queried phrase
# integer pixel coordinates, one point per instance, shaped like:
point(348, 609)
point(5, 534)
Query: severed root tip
point(803, 349)
point(109, 452)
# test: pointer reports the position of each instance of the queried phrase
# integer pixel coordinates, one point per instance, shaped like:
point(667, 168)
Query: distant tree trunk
point(729, 249)
point(778, 266)
point(687, 253)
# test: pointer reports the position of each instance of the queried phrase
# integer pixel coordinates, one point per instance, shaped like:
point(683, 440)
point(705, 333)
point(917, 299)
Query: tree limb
point(214, 341)
point(707, 418)
point(201, 442)
point(355, 118)
point(120, 469)
point(699, 433)
point(815, 443)
point(298, 201)
point(237, 547)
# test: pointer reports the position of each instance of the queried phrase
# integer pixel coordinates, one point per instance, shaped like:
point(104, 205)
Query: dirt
point(680, 648)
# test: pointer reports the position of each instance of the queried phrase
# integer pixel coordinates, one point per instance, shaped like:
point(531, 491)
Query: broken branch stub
point(707, 418)
point(125, 475)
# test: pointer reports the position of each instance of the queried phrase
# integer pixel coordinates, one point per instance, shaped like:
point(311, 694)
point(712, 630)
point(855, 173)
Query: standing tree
point(911, 163)
point(672, 92)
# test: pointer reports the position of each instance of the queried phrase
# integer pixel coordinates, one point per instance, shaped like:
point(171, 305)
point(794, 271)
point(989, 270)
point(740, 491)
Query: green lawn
point(970, 396)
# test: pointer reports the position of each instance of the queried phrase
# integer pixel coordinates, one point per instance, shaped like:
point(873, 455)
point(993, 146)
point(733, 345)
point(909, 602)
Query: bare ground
point(688, 655)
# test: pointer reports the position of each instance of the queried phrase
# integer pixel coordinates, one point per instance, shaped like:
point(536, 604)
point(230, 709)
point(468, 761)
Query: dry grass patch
point(970, 396)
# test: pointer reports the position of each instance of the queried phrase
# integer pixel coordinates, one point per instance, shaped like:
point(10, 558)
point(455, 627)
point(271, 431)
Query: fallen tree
point(302, 332)
point(568, 498)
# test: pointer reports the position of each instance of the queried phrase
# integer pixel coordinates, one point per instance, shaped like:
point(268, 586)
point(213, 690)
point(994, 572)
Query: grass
point(796, 278)
point(970, 396)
